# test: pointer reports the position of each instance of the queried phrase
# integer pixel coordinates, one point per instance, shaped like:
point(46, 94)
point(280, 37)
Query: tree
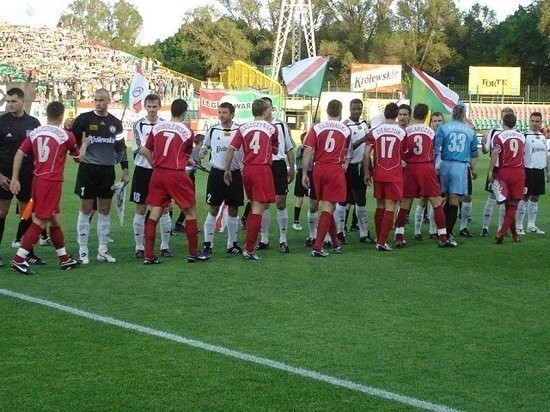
point(421, 26)
point(117, 26)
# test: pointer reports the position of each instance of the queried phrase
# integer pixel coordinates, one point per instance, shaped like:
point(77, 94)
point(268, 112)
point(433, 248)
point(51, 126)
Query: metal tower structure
point(296, 17)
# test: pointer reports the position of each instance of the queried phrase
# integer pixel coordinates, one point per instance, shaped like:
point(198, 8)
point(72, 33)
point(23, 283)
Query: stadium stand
point(67, 66)
point(486, 116)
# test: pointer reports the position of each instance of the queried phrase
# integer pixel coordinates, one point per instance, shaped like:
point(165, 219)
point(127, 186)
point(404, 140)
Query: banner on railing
point(494, 80)
point(382, 78)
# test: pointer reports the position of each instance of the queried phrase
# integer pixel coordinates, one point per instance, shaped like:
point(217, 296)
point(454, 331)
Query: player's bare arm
point(83, 148)
point(14, 185)
point(473, 162)
point(229, 158)
point(366, 165)
point(493, 162)
point(306, 159)
point(291, 156)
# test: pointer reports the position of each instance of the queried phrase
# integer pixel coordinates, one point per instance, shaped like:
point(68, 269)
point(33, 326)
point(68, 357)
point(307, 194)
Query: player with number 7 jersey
point(168, 149)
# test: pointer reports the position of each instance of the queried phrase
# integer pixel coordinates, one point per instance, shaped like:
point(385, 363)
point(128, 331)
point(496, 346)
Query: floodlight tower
point(295, 16)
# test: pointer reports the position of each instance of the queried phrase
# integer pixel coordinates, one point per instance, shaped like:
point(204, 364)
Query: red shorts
point(420, 179)
point(388, 190)
point(46, 195)
point(330, 182)
point(514, 180)
point(167, 184)
point(258, 183)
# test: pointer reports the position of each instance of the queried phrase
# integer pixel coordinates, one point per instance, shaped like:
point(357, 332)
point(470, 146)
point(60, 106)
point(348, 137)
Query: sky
point(161, 18)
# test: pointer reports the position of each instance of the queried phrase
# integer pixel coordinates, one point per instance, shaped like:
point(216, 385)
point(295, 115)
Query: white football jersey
point(140, 132)
point(217, 139)
point(536, 152)
point(285, 140)
point(358, 130)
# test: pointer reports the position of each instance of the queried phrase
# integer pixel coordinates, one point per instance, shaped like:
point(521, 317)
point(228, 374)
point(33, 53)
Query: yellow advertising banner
point(494, 80)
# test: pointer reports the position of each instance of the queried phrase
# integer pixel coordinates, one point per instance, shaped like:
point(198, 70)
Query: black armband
point(124, 164)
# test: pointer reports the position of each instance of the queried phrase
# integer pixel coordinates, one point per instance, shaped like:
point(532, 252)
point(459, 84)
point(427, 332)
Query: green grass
point(468, 328)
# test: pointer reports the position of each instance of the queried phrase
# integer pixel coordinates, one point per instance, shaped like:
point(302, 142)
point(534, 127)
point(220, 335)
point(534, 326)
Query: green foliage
point(464, 327)
point(117, 26)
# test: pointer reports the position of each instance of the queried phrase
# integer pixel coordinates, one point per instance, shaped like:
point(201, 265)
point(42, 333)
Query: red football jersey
point(171, 144)
point(387, 143)
point(330, 140)
point(49, 146)
point(419, 144)
point(511, 145)
point(258, 138)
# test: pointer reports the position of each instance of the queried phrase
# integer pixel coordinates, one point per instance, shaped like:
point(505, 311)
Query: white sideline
point(369, 390)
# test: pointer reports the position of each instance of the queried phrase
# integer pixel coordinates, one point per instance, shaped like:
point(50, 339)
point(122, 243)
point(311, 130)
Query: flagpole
point(320, 92)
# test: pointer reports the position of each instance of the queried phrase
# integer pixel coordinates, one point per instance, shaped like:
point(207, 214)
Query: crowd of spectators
point(68, 66)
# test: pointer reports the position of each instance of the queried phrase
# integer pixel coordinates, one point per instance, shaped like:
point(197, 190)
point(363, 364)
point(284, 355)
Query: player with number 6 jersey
point(48, 145)
point(329, 144)
point(508, 151)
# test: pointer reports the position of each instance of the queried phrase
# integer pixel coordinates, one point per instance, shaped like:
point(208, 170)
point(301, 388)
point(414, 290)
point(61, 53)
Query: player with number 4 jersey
point(258, 140)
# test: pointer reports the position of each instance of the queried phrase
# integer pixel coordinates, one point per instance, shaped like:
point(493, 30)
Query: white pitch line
point(357, 387)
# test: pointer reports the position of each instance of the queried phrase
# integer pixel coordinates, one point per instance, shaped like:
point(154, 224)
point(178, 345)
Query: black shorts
point(534, 182)
point(25, 178)
point(217, 191)
point(312, 195)
point(280, 177)
point(356, 187)
point(299, 189)
point(140, 185)
point(94, 181)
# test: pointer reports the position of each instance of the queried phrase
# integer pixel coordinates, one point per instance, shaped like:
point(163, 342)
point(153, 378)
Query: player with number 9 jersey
point(510, 145)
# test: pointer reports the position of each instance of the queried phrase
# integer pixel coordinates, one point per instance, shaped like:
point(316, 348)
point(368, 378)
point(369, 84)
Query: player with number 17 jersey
point(172, 145)
point(386, 141)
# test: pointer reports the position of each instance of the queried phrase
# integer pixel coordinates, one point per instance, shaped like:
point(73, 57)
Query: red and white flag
point(137, 91)
point(221, 218)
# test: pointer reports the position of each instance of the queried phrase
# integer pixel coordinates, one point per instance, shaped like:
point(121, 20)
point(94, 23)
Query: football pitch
point(419, 328)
